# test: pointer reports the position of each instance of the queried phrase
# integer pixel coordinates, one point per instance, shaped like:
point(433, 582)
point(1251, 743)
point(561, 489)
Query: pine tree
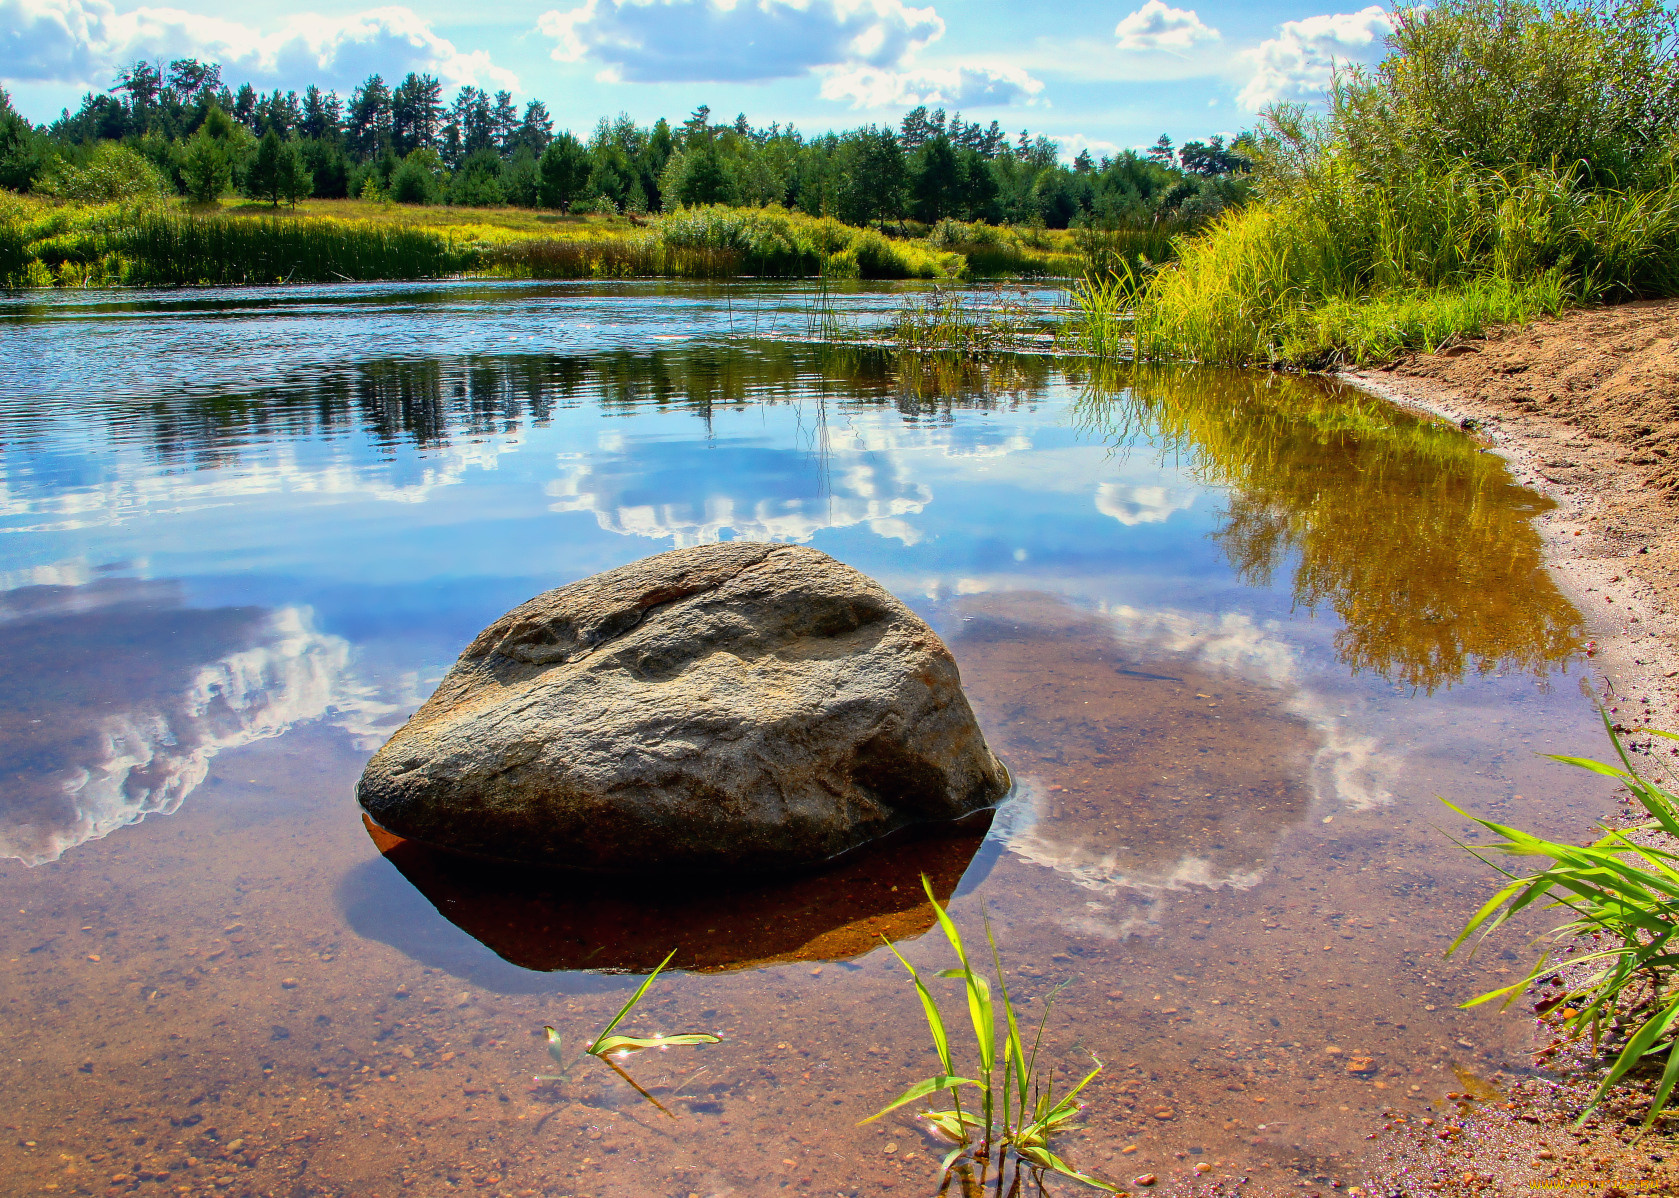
point(292, 180)
point(262, 181)
point(504, 122)
point(564, 170)
point(537, 128)
point(416, 110)
point(206, 165)
point(369, 120)
point(321, 115)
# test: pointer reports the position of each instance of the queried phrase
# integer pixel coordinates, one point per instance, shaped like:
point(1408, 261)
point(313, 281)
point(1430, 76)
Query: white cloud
point(952, 87)
point(865, 490)
point(1158, 26)
point(85, 41)
point(660, 41)
point(1075, 144)
point(1300, 61)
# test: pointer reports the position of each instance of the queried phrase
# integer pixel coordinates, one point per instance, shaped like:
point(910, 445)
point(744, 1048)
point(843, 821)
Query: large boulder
point(728, 707)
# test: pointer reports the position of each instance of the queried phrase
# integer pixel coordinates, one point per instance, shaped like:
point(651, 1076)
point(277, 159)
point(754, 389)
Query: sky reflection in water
point(1197, 612)
point(381, 513)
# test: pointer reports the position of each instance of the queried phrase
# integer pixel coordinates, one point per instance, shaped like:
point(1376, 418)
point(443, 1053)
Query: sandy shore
point(1585, 408)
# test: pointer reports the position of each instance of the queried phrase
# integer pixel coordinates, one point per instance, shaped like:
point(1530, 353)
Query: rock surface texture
point(728, 707)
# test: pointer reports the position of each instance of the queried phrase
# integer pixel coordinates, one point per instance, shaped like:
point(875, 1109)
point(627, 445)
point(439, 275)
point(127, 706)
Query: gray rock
point(728, 707)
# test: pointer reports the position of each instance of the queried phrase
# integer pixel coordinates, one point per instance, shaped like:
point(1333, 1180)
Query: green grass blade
point(980, 1011)
point(1014, 1052)
point(935, 1021)
point(921, 1089)
point(1047, 1159)
point(611, 1044)
point(629, 1006)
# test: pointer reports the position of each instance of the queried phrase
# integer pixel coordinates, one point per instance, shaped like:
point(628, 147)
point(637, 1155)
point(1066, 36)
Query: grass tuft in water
point(948, 322)
point(1613, 957)
point(1018, 1112)
point(605, 1046)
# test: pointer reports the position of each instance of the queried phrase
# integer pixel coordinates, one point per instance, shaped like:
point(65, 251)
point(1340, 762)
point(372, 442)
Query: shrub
point(111, 173)
point(413, 183)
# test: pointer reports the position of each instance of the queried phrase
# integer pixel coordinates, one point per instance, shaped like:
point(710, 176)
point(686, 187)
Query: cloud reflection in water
point(120, 696)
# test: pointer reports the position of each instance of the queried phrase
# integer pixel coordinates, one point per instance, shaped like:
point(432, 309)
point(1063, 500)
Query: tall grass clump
point(176, 249)
point(772, 242)
point(1613, 958)
point(992, 251)
point(157, 248)
point(14, 254)
point(1017, 1111)
point(641, 257)
point(1507, 158)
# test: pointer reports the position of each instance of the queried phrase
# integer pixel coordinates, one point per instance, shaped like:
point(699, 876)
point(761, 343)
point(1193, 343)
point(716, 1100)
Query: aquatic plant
point(153, 247)
point(1623, 902)
point(951, 322)
point(1018, 1112)
point(1100, 323)
point(605, 1046)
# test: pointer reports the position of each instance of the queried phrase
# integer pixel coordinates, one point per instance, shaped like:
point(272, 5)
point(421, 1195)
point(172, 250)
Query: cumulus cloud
point(952, 87)
point(1300, 61)
point(1073, 145)
point(85, 41)
point(1158, 26)
point(663, 41)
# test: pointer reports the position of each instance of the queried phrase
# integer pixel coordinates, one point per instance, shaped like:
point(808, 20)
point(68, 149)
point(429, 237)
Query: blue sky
point(1106, 75)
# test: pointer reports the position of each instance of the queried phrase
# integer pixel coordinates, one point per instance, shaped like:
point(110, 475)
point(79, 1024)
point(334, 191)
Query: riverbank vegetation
point(1508, 158)
point(47, 242)
point(172, 147)
point(1605, 975)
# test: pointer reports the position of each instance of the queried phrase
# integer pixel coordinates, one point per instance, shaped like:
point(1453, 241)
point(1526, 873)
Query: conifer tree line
point(202, 138)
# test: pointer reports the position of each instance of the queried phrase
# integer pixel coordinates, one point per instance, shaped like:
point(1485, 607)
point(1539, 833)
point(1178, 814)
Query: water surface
point(1231, 632)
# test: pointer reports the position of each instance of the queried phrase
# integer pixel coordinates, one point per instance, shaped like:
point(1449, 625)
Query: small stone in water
point(1147, 1179)
point(288, 983)
point(891, 1146)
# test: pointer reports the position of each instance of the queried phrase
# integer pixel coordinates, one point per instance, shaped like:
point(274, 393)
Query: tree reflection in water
point(1414, 537)
point(1417, 539)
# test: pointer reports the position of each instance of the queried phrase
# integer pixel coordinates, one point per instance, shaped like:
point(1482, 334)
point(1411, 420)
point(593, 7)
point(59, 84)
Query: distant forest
point(179, 128)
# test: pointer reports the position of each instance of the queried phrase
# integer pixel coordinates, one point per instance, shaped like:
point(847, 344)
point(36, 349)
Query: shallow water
point(1232, 633)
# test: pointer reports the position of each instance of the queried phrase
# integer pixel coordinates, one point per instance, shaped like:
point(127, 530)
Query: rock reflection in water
point(1141, 769)
point(546, 921)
